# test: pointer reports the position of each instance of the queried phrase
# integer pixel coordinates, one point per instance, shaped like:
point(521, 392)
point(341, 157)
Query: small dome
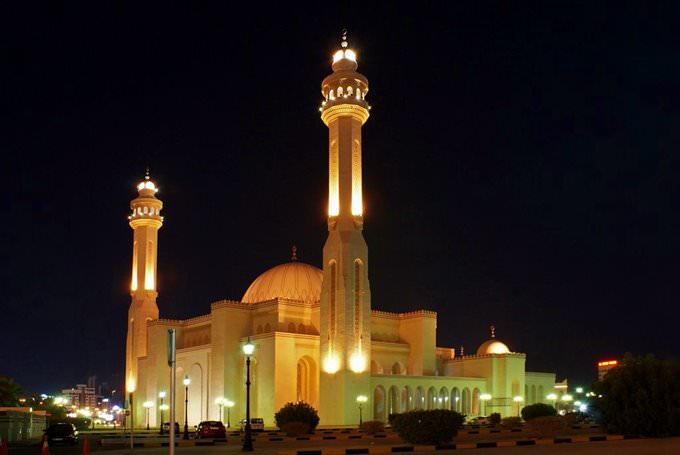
point(292, 280)
point(493, 346)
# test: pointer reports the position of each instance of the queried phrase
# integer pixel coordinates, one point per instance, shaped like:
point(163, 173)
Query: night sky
point(520, 168)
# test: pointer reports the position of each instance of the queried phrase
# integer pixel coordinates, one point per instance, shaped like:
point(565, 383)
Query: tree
point(641, 396)
point(537, 410)
point(10, 392)
point(297, 412)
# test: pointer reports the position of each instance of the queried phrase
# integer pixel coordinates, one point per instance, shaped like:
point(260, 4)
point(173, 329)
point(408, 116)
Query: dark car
point(166, 427)
point(62, 433)
point(211, 429)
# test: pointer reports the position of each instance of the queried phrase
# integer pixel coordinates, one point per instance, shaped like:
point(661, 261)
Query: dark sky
point(520, 168)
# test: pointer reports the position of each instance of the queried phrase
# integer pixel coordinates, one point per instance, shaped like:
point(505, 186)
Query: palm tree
point(9, 391)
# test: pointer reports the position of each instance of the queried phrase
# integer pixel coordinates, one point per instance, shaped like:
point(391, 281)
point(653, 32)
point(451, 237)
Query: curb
point(471, 445)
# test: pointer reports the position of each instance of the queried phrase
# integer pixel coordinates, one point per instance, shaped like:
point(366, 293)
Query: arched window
point(455, 399)
point(358, 93)
point(376, 368)
point(349, 91)
point(466, 402)
point(339, 91)
point(419, 400)
point(291, 327)
point(301, 328)
point(443, 399)
point(267, 328)
point(331, 95)
point(397, 368)
point(379, 404)
point(475, 403)
point(431, 398)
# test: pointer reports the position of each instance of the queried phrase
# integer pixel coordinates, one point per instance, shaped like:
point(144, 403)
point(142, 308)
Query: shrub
point(372, 427)
point(640, 396)
point(391, 417)
point(495, 418)
point(297, 412)
point(511, 422)
point(295, 429)
point(547, 426)
point(438, 426)
point(537, 410)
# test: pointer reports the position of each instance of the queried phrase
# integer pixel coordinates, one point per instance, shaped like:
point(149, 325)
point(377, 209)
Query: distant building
point(604, 366)
point(81, 396)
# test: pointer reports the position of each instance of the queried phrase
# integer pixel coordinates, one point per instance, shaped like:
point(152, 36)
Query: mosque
point(316, 337)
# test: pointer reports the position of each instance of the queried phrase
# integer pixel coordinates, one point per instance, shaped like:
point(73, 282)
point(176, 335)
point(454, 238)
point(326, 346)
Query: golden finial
point(147, 176)
point(344, 43)
point(294, 257)
point(493, 331)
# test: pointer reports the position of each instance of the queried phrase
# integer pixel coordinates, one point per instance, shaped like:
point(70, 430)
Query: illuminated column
point(345, 313)
point(145, 221)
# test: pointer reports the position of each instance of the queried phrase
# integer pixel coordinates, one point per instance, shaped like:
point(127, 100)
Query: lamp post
point(147, 405)
point(131, 391)
point(186, 382)
point(162, 407)
point(518, 399)
point(553, 397)
point(220, 402)
point(248, 350)
point(567, 398)
point(485, 397)
point(361, 399)
point(229, 404)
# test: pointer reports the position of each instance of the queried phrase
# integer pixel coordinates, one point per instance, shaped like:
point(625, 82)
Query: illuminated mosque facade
point(316, 337)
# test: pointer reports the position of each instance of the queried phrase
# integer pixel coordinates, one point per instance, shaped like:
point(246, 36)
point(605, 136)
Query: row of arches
point(397, 368)
point(139, 211)
point(533, 394)
point(347, 92)
point(292, 328)
point(398, 399)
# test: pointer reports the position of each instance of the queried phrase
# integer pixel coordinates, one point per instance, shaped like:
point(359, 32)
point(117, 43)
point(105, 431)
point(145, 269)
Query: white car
point(256, 424)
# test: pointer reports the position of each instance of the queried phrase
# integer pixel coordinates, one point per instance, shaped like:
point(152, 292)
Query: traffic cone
point(86, 446)
point(45, 447)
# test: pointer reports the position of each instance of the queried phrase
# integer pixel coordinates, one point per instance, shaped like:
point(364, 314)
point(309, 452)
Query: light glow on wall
point(149, 282)
point(331, 364)
point(133, 284)
point(333, 179)
point(607, 363)
point(357, 204)
point(357, 362)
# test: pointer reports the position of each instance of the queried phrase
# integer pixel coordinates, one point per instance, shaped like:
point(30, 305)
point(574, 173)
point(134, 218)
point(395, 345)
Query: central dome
point(292, 280)
point(493, 346)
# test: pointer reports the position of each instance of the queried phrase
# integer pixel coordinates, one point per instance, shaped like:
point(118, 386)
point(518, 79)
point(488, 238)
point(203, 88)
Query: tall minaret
point(145, 221)
point(345, 314)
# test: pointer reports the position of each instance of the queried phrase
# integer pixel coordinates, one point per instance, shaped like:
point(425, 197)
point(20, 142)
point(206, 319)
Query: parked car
point(480, 420)
point(166, 427)
point(256, 424)
point(62, 433)
point(211, 429)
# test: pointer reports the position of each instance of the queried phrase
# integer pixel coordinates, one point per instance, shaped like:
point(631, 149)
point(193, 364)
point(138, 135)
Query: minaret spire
point(493, 331)
point(345, 307)
point(294, 252)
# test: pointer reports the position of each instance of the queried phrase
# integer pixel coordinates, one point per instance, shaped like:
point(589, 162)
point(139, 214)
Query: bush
point(511, 422)
point(295, 429)
point(438, 426)
point(641, 396)
point(547, 426)
point(297, 412)
point(390, 418)
point(495, 418)
point(372, 427)
point(537, 410)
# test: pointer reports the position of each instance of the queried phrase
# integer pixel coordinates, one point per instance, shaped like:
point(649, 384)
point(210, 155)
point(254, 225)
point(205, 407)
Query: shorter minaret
point(145, 221)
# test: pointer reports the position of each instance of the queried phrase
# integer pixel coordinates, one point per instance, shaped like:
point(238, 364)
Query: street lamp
point(162, 408)
point(186, 382)
point(229, 404)
point(518, 399)
point(248, 350)
point(147, 405)
point(361, 399)
point(567, 398)
point(220, 402)
point(553, 397)
point(485, 397)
